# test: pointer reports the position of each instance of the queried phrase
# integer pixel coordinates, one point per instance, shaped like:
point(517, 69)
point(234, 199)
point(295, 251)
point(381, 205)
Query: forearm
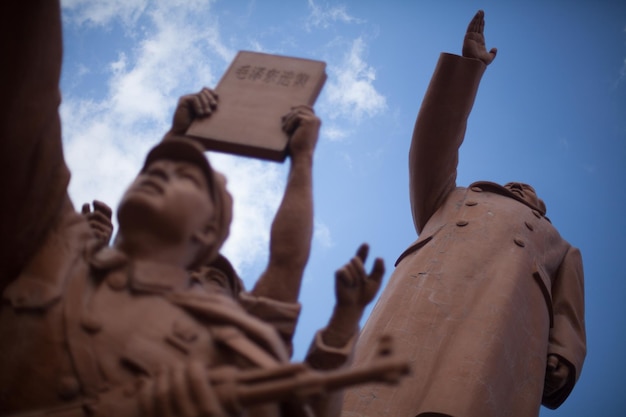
point(33, 175)
point(342, 326)
point(439, 132)
point(291, 234)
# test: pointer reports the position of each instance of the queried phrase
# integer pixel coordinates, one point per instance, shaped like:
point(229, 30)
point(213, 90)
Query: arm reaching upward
point(354, 289)
point(292, 228)
point(33, 174)
point(441, 122)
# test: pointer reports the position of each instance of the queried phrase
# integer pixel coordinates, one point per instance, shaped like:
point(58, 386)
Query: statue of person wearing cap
point(85, 326)
point(489, 301)
point(274, 297)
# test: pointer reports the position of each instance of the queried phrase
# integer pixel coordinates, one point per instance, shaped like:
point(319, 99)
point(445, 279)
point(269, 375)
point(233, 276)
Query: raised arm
point(33, 175)
point(441, 122)
point(292, 228)
point(333, 346)
point(354, 290)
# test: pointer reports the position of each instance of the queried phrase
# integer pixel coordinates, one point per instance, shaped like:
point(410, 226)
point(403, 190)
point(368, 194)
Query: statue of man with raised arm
point(489, 301)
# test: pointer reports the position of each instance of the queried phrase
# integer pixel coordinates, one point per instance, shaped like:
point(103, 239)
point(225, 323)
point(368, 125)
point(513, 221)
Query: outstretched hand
point(474, 42)
point(99, 220)
point(354, 287)
point(192, 106)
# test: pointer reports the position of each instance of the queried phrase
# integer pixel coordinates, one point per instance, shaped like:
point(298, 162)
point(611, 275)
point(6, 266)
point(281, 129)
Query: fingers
point(553, 363)
point(85, 209)
point(292, 120)
point(100, 207)
point(207, 402)
point(477, 24)
point(183, 391)
point(182, 396)
point(98, 218)
point(146, 394)
point(378, 270)
point(363, 251)
point(208, 98)
point(201, 104)
point(353, 273)
point(162, 401)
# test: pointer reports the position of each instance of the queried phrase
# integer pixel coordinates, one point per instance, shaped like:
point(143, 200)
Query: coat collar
point(499, 189)
point(144, 276)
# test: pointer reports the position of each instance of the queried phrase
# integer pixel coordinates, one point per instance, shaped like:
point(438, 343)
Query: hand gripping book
point(253, 95)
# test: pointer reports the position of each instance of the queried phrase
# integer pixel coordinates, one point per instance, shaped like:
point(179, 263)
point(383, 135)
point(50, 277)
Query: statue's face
point(212, 280)
point(525, 191)
point(172, 197)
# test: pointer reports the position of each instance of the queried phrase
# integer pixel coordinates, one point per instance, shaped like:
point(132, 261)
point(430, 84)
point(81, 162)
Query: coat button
point(461, 223)
point(476, 189)
point(529, 226)
point(519, 242)
point(68, 388)
point(470, 203)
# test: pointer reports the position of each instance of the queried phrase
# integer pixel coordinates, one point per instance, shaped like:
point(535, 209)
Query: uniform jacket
point(488, 290)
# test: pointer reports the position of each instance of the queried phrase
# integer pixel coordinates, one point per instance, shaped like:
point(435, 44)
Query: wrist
point(301, 155)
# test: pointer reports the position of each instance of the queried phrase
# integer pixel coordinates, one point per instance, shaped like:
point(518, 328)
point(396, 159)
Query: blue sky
point(550, 112)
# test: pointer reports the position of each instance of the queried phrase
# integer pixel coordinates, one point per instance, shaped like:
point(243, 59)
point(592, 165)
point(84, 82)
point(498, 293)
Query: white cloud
point(323, 17)
point(351, 89)
point(175, 52)
point(257, 188)
point(101, 12)
point(322, 235)
point(334, 133)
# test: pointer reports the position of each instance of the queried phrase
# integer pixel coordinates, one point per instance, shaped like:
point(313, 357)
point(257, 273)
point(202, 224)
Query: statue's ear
point(206, 236)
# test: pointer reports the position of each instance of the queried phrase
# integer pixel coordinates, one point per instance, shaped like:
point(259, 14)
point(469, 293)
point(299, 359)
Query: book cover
point(254, 93)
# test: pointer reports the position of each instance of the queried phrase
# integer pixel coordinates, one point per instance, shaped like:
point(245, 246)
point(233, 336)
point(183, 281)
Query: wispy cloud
point(335, 133)
point(102, 12)
point(323, 235)
point(323, 16)
point(351, 88)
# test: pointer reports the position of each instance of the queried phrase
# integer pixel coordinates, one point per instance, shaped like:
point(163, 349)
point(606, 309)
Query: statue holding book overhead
point(154, 324)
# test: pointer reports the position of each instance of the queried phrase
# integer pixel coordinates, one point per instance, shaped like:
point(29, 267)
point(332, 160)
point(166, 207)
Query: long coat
point(485, 294)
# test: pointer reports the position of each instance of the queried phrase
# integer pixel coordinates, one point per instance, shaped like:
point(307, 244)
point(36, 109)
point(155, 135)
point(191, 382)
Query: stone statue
point(488, 302)
point(139, 328)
